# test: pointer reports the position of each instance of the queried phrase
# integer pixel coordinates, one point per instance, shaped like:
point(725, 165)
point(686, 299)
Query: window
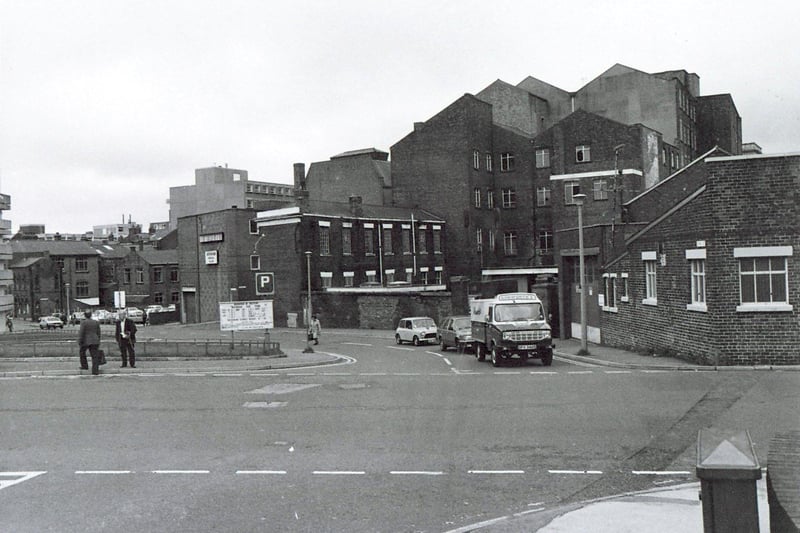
point(542, 158)
point(490, 198)
point(347, 240)
point(348, 279)
point(250, 203)
point(81, 264)
point(624, 287)
point(324, 240)
point(510, 242)
point(255, 262)
point(545, 241)
point(422, 241)
point(763, 278)
point(173, 274)
point(583, 153)
point(369, 240)
point(406, 237)
point(253, 227)
point(81, 289)
point(174, 297)
point(139, 275)
point(479, 238)
point(571, 188)
point(327, 279)
point(491, 240)
point(387, 239)
point(543, 196)
point(388, 275)
point(158, 298)
point(437, 275)
point(423, 275)
point(609, 292)
point(509, 198)
point(506, 161)
point(126, 276)
point(476, 159)
point(158, 275)
point(437, 240)
point(600, 189)
point(371, 276)
point(477, 197)
point(697, 269)
point(488, 162)
point(651, 295)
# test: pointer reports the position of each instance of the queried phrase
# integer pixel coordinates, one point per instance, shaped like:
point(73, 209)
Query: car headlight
point(506, 335)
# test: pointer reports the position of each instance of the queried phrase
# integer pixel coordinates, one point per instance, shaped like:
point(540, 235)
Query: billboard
point(253, 314)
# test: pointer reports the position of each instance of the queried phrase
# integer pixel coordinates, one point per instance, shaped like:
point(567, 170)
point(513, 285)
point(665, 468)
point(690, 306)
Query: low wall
point(144, 349)
point(378, 310)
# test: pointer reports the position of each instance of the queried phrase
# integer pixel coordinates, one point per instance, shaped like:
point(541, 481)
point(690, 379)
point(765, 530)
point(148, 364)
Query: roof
point(159, 257)
point(25, 262)
point(363, 151)
point(55, 248)
point(111, 251)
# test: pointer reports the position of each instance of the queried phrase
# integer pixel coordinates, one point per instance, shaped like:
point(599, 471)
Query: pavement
point(664, 509)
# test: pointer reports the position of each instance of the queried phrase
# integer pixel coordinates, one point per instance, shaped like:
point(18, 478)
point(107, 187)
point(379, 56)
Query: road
point(401, 439)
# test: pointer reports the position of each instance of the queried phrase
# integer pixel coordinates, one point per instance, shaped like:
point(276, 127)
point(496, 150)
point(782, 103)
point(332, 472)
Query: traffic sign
point(265, 283)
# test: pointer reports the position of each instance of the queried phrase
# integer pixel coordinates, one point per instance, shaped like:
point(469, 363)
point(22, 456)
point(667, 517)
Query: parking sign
point(265, 283)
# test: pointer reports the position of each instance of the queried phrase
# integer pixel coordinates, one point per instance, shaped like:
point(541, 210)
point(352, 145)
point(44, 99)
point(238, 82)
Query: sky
point(105, 104)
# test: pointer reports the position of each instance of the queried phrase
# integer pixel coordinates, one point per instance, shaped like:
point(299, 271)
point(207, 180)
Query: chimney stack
point(300, 176)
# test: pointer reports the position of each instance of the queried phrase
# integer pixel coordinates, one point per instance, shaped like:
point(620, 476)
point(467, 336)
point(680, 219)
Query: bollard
point(728, 469)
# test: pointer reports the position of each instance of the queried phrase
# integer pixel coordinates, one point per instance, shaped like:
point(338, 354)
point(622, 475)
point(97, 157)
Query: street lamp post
point(308, 349)
point(579, 199)
point(66, 286)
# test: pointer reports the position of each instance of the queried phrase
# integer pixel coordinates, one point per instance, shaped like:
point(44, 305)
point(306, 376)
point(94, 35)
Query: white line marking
point(339, 472)
point(357, 343)
point(336, 374)
point(400, 348)
point(660, 472)
point(150, 374)
point(416, 473)
point(100, 472)
point(617, 372)
point(577, 472)
point(407, 374)
point(373, 374)
point(655, 371)
point(181, 471)
point(580, 372)
point(263, 405)
point(225, 375)
point(479, 525)
point(190, 374)
point(544, 373)
point(446, 360)
point(23, 476)
point(302, 374)
point(261, 472)
point(434, 353)
point(496, 471)
point(530, 511)
point(263, 374)
point(506, 373)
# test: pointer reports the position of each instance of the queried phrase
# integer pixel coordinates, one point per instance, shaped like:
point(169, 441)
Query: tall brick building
point(714, 279)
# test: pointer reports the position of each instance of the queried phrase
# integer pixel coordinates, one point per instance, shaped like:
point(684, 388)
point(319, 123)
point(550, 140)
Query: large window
point(510, 243)
point(158, 275)
point(347, 239)
point(387, 239)
point(583, 153)
point(81, 289)
point(571, 188)
point(600, 189)
point(81, 264)
point(610, 292)
point(543, 196)
point(651, 295)
point(422, 240)
point(697, 281)
point(406, 237)
point(509, 198)
point(139, 275)
point(506, 161)
point(545, 241)
point(324, 240)
point(437, 239)
point(369, 240)
point(763, 278)
point(542, 158)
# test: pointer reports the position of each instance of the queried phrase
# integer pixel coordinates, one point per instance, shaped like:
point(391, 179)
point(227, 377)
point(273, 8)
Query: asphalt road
point(404, 439)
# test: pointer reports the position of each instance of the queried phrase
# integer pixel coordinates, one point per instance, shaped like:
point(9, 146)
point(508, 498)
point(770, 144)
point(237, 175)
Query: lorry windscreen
point(522, 311)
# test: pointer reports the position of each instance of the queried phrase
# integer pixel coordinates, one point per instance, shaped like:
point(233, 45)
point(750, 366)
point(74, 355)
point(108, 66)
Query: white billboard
point(253, 314)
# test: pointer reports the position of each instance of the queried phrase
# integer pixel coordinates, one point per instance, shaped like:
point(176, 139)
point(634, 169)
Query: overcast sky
point(105, 105)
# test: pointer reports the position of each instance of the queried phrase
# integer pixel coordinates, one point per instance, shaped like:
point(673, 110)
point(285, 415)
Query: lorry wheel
point(547, 360)
point(495, 358)
point(480, 352)
point(416, 340)
point(398, 340)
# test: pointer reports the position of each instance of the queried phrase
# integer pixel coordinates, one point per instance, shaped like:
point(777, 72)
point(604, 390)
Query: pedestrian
point(9, 324)
point(89, 339)
point(315, 328)
point(125, 334)
point(144, 318)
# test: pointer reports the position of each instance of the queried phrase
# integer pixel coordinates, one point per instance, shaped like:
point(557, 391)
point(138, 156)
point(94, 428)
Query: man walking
point(89, 339)
point(125, 334)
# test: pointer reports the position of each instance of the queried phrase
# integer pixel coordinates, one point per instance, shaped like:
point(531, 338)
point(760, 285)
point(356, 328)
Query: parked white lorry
point(511, 326)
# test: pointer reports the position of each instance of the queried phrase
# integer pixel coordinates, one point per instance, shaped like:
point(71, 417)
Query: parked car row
point(454, 331)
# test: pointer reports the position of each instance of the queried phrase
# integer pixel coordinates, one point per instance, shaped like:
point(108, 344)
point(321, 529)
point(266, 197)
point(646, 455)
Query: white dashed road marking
point(181, 471)
point(339, 472)
point(416, 473)
point(103, 472)
point(261, 472)
point(20, 477)
point(263, 405)
point(496, 471)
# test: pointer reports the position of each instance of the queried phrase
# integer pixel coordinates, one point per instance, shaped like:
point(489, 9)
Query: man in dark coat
point(125, 334)
point(89, 339)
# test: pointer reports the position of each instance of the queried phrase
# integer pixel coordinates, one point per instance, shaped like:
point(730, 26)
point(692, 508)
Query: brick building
point(368, 263)
point(6, 256)
point(366, 171)
point(714, 279)
point(148, 276)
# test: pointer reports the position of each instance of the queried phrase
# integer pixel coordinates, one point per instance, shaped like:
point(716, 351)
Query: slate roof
point(56, 248)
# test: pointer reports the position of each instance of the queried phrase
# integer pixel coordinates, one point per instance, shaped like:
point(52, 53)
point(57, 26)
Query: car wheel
point(416, 340)
point(547, 360)
point(41, 326)
point(443, 344)
point(495, 358)
point(397, 339)
point(480, 352)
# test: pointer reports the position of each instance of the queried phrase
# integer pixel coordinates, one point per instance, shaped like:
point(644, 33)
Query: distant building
point(218, 188)
point(116, 232)
point(366, 172)
point(149, 277)
point(6, 274)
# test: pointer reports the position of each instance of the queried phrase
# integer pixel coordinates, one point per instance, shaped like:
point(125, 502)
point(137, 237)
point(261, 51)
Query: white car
point(416, 330)
point(135, 314)
point(154, 309)
point(50, 322)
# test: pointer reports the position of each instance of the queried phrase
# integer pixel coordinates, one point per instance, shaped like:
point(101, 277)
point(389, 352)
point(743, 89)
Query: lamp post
point(579, 199)
point(66, 286)
point(308, 349)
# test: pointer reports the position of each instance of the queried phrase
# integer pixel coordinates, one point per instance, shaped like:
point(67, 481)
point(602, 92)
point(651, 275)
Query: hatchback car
point(455, 331)
point(416, 330)
point(50, 322)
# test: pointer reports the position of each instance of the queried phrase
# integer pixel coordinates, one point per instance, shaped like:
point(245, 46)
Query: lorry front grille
point(530, 335)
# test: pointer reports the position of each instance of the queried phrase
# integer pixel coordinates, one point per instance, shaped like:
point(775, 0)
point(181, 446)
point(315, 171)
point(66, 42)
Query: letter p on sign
point(265, 283)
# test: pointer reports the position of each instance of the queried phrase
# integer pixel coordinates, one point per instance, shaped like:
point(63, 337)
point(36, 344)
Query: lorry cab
point(511, 326)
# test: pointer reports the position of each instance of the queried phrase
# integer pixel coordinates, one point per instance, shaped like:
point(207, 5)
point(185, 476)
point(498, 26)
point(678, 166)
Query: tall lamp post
point(579, 199)
point(308, 349)
point(66, 286)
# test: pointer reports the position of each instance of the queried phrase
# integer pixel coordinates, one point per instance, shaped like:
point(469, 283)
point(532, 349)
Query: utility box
point(728, 469)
